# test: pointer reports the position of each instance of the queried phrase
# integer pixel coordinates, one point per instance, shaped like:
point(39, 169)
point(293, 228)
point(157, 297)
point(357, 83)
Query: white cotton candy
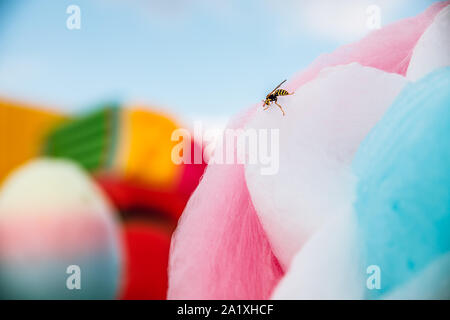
point(329, 266)
point(432, 51)
point(325, 121)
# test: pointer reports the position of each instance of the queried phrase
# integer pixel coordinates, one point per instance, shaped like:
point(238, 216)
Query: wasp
point(273, 96)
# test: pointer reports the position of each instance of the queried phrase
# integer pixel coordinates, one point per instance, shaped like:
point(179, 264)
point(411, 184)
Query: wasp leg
point(280, 108)
point(266, 108)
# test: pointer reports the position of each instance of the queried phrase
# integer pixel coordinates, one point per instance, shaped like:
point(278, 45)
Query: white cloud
point(339, 20)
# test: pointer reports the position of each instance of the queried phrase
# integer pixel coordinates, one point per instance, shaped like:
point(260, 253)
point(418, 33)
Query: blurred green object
point(90, 139)
point(133, 142)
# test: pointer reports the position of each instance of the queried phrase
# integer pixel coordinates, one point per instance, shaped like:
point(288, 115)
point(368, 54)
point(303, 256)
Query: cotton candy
point(433, 48)
point(326, 120)
point(431, 283)
point(389, 49)
point(328, 266)
point(403, 199)
point(402, 210)
point(220, 249)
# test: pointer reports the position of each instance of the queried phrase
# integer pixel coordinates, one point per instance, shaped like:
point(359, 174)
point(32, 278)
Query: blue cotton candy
point(403, 193)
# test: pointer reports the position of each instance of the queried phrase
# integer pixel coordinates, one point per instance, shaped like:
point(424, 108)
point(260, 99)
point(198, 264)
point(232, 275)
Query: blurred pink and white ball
point(52, 217)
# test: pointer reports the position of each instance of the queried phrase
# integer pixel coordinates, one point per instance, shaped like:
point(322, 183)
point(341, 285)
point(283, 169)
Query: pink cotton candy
point(388, 49)
point(220, 250)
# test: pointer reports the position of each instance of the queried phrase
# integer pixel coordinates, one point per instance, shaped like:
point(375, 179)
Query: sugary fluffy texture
point(433, 49)
point(326, 120)
point(432, 283)
point(53, 216)
point(328, 266)
point(220, 249)
point(404, 202)
point(389, 48)
point(403, 198)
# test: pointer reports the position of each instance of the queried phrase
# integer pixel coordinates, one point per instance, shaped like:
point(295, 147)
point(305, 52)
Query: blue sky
point(192, 57)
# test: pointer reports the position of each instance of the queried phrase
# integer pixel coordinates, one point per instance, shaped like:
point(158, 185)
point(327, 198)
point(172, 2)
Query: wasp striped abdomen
point(281, 92)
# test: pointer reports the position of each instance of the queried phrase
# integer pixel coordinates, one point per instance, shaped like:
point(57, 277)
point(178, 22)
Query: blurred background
point(105, 97)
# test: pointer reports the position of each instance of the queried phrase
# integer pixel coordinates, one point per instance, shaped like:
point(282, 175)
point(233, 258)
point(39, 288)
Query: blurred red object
point(129, 195)
point(147, 254)
point(133, 199)
point(150, 215)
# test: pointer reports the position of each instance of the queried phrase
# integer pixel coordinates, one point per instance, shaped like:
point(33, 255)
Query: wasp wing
point(276, 88)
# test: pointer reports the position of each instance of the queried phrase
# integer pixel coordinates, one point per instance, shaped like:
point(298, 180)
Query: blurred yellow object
point(145, 147)
point(22, 130)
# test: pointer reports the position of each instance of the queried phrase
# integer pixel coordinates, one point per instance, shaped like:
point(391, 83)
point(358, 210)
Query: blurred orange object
point(145, 146)
point(22, 130)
